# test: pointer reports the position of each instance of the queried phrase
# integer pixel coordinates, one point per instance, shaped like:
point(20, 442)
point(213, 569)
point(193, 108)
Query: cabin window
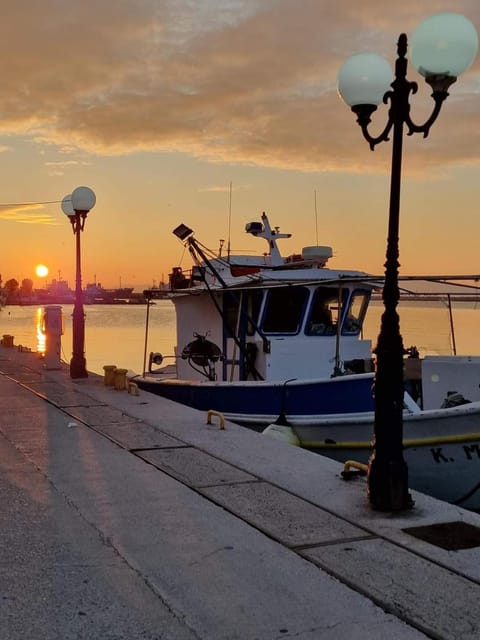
point(284, 309)
point(323, 317)
point(356, 313)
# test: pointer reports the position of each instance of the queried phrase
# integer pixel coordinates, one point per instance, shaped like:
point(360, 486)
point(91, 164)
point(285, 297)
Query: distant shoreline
point(431, 297)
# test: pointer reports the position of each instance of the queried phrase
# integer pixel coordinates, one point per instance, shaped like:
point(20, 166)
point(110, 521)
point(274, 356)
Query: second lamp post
point(443, 46)
point(76, 206)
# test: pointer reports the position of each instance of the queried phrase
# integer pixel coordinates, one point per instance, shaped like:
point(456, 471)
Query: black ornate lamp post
point(76, 206)
point(443, 46)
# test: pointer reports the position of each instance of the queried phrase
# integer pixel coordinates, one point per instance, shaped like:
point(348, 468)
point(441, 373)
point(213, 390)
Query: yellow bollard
point(120, 383)
point(109, 375)
point(133, 389)
point(219, 415)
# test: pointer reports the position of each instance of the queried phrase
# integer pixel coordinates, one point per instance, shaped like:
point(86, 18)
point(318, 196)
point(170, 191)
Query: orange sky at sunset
point(158, 105)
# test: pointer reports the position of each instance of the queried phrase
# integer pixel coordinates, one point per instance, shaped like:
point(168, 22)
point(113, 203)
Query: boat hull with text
point(441, 448)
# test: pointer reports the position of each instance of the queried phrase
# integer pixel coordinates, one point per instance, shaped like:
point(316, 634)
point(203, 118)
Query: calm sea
point(115, 334)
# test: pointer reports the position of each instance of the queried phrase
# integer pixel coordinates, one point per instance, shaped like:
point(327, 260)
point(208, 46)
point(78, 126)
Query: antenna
point(229, 221)
point(316, 218)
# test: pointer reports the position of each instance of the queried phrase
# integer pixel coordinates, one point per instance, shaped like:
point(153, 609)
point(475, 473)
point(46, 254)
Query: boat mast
point(229, 223)
point(271, 236)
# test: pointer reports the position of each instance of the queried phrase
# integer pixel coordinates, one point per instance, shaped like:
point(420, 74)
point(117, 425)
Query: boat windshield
point(284, 309)
point(356, 312)
point(323, 317)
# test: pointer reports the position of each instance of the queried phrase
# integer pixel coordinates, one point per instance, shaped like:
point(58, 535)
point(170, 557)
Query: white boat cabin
point(270, 318)
point(283, 332)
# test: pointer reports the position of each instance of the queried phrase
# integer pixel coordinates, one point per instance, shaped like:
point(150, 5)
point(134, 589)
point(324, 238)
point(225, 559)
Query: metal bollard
point(120, 382)
point(7, 341)
point(109, 375)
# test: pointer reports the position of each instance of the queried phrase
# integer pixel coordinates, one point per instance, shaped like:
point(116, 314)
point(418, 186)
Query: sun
point(41, 270)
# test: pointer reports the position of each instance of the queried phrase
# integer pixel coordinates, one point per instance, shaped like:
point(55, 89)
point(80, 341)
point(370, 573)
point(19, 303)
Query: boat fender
point(282, 432)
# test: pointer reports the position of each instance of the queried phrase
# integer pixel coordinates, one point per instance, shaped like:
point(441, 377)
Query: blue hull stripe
point(342, 395)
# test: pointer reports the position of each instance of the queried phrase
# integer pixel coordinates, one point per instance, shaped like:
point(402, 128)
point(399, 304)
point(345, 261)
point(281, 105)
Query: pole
point(452, 326)
point(146, 337)
point(387, 469)
point(78, 363)
point(388, 472)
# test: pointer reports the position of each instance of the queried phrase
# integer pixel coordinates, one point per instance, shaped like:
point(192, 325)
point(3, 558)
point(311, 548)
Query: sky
point(208, 112)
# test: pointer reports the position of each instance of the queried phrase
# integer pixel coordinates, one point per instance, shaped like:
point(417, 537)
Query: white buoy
point(282, 432)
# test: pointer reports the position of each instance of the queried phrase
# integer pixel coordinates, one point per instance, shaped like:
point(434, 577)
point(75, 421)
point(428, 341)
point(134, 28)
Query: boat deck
point(128, 516)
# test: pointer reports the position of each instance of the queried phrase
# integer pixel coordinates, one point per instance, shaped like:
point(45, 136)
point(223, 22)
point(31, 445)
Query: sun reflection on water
point(40, 331)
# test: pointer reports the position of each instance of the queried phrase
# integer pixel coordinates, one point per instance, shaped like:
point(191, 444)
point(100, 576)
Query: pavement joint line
point(235, 483)
point(137, 450)
point(328, 543)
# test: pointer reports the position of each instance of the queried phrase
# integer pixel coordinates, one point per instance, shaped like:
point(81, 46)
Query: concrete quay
point(129, 517)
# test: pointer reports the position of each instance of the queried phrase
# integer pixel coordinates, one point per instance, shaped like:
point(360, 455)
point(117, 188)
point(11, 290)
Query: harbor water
point(115, 334)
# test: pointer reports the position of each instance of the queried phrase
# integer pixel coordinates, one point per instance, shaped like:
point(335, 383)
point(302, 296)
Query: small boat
point(263, 335)
point(441, 446)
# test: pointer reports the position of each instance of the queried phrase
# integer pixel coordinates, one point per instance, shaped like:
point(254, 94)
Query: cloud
point(57, 168)
point(26, 214)
point(223, 188)
point(65, 163)
point(244, 81)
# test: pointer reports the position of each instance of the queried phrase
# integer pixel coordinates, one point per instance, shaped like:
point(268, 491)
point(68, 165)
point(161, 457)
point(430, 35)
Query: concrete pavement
point(128, 516)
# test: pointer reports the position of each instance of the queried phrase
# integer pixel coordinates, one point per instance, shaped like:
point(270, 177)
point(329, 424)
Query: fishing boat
point(261, 336)
point(441, 446)
point(267, 338)
point(275, 343)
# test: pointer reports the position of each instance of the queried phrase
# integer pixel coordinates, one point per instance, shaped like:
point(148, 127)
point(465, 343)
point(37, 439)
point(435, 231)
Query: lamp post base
point(78, 368)
point(388, 485)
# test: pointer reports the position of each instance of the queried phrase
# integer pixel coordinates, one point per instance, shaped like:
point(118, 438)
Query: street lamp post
point(76, 206)
point(442, 47)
